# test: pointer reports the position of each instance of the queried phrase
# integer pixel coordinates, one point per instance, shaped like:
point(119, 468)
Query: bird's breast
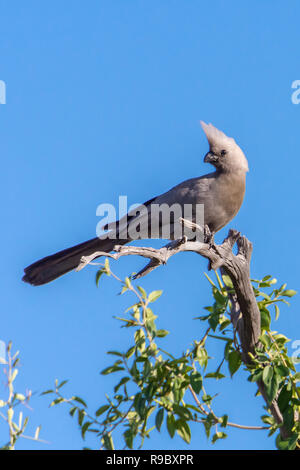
point(227, 194)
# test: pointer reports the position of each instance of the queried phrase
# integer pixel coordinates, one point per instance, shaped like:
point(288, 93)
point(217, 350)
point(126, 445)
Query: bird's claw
point(208, 236)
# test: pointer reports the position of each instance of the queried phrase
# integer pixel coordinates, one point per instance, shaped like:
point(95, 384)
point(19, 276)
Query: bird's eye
point(223, 152)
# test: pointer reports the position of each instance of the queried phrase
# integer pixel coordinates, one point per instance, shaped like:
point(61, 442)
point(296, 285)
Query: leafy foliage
point(15, 421)
point(155, 389)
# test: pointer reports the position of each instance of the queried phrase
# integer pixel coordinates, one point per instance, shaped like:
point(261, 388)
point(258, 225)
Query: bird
point(221, 193)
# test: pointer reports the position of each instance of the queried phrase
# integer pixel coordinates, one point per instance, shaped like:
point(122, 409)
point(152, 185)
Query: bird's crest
point(215, 136)
point(218, 140)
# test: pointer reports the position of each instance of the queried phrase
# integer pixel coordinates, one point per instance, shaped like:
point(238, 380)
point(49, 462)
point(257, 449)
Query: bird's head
point(224, 153)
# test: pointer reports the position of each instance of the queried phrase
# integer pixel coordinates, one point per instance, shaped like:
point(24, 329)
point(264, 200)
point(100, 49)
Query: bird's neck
point(231, 173)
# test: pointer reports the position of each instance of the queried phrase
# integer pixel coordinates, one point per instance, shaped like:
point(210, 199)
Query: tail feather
point(51, 267)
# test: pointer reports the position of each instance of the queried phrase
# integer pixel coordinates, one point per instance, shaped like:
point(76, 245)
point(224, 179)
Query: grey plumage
point(221, 192)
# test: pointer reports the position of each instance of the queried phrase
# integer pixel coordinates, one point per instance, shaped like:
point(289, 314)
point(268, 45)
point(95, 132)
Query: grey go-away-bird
point(221, 193)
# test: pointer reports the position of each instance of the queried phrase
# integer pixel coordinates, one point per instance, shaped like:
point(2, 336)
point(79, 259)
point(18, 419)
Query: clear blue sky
point(104, 99)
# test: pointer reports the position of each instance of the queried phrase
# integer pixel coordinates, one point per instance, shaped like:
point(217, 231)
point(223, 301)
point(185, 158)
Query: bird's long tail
point(54, 266)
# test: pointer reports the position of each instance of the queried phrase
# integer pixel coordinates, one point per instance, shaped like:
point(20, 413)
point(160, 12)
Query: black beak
point(210, 158)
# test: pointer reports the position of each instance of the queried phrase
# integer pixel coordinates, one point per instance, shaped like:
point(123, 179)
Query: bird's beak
point(210, 157)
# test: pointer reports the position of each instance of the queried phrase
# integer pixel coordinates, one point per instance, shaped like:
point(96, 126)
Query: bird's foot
point(209, 237)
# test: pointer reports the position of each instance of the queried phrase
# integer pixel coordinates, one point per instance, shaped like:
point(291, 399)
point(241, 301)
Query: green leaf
point(201, 356)
point(136, 313)
point(267, 419)
point(57, 401)
point(272, 388)
point(234, 361)
point(162, 333)
point(281, 340)
point(183, 430)
point(224, 323)
point(128, 323)
point(85, 428)
point(140, 405)
point(115, 353)
point(108, 442)
point(255, 376)
point(208, 423)
point(123, 381)
point(282, 370)
point(266, 341)
point(289, 417)
point(62, 383)
point(265, 296)
point(214, 319)
point(289, 293)
point(215, 375)
point(150, 325)
point(143, 292)
point(139, 338)
point(79, 400)
point(111, 369)
point(219, 297)
point(227, 281)
point(159, 418)
point(296, 377)
point(288, 444)
point(81, 415)
point(102, 410)
point(281, 288)
point(267, 374)
point(130, 352)
point(171, 425)
point(196, 381)
point(265, 319)
point(154, 295)
point(222, 338)
point(150, 315)
point(128, 437)
point(224, 421)
point(284, 397)
point(124, 289)
point(98, 275)
point(182, 411)
point(73, 410)
point(218, 435)
point(47, 391)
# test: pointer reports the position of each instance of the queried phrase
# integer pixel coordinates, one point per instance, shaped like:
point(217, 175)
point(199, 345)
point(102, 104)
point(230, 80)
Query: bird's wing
point(148, 219)
point(192, 191)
